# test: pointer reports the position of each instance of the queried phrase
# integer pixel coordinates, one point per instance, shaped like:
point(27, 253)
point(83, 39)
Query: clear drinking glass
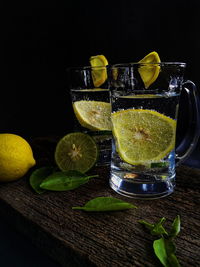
point(91, 105)
point(145, 103)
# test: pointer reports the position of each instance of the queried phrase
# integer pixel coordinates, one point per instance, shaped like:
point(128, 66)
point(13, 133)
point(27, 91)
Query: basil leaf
point(176, 225)
point(159, 164)
point(63, 181)
point(169, 246)
point(173, 260)
point(160, 251)
point(105, 204)
point(149, 226)
point(157, 228)
point(38, 176)
point(164, 250)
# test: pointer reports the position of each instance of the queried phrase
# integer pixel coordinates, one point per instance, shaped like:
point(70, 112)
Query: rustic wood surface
point(77, 238)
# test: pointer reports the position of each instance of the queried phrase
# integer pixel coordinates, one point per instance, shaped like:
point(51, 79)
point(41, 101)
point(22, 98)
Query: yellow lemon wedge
point(93, 115)
point(149, 72)
point(99, 72)
point(143, 136)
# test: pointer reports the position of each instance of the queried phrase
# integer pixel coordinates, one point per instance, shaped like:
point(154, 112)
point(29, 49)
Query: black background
point(39, 43)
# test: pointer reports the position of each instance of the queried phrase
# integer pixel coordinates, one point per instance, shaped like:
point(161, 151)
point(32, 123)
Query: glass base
point(142, 190)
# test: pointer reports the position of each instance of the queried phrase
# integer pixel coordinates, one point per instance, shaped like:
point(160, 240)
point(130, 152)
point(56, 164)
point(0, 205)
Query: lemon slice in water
point(149, 72)
point(143, 136)
point(99, 72)
point(93, 115)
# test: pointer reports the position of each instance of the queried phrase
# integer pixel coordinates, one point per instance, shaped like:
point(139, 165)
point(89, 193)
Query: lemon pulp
point(149, 72)
point(93, 115)
point(76, 151)
point(99, 72)
point(143, 136)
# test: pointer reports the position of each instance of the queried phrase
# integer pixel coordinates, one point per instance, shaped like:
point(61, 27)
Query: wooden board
point(77, 238)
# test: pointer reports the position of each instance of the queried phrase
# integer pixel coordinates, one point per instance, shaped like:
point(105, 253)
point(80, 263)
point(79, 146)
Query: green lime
point(143, 136)
point(76, 151)
point(93, 115)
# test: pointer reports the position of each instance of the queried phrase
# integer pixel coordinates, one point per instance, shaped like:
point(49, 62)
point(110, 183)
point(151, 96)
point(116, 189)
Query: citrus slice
point(149, 72)
point(99, 72)
point(143, 136)
point(76, 151)
point(93, 115)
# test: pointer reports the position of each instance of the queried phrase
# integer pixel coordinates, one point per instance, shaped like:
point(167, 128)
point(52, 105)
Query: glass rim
point(78, 68)
point(131, 64)
point(164, 63)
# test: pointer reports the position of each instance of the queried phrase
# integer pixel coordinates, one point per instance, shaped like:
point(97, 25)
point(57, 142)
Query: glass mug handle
point(191, 137)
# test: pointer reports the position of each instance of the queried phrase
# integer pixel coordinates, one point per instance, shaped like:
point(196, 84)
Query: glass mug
point(145, 101)
point(91, 105)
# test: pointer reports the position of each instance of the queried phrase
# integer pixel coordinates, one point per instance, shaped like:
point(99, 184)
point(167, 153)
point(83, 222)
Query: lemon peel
point(99, 72)
point(150, 68)
point(16, 157)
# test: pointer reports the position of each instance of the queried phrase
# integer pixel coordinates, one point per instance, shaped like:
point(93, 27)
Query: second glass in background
point(91, 106)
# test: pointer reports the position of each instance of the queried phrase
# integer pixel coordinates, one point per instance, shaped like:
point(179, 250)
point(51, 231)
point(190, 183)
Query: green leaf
point(149, 226)
point(105, 204)
point(159, 164)
point(38, 176)
point(176, 226)
point(164, 250)
point(63, 181)
point(173, 260)
point(157, 228)
point(160, 251)
point(170, 246)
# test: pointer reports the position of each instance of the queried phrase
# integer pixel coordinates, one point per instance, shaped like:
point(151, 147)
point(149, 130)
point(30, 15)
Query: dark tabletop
point(19, 248)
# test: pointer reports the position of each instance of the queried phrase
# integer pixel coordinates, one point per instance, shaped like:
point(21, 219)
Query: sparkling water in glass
point(150, 178)
point(82, 88)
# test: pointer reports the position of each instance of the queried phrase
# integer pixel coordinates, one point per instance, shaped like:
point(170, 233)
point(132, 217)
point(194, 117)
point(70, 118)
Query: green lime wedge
point(93, 115)
point(76, 151)
point(143, 136)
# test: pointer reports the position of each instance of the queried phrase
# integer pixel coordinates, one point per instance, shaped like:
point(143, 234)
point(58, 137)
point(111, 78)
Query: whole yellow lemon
point(16, 157)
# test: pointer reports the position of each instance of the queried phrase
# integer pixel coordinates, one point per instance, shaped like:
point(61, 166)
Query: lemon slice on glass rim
point(150, 68)
point(93, 115)
point(143, 136)
point(99, 72)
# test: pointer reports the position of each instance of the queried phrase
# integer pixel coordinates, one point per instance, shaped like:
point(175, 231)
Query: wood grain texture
point(77, 238)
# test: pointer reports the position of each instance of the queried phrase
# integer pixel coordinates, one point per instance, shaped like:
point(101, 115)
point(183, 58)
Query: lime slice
point(93, 115)
point(76, 151)
point(143, 136)
point(149, 72)
point(99, 72)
